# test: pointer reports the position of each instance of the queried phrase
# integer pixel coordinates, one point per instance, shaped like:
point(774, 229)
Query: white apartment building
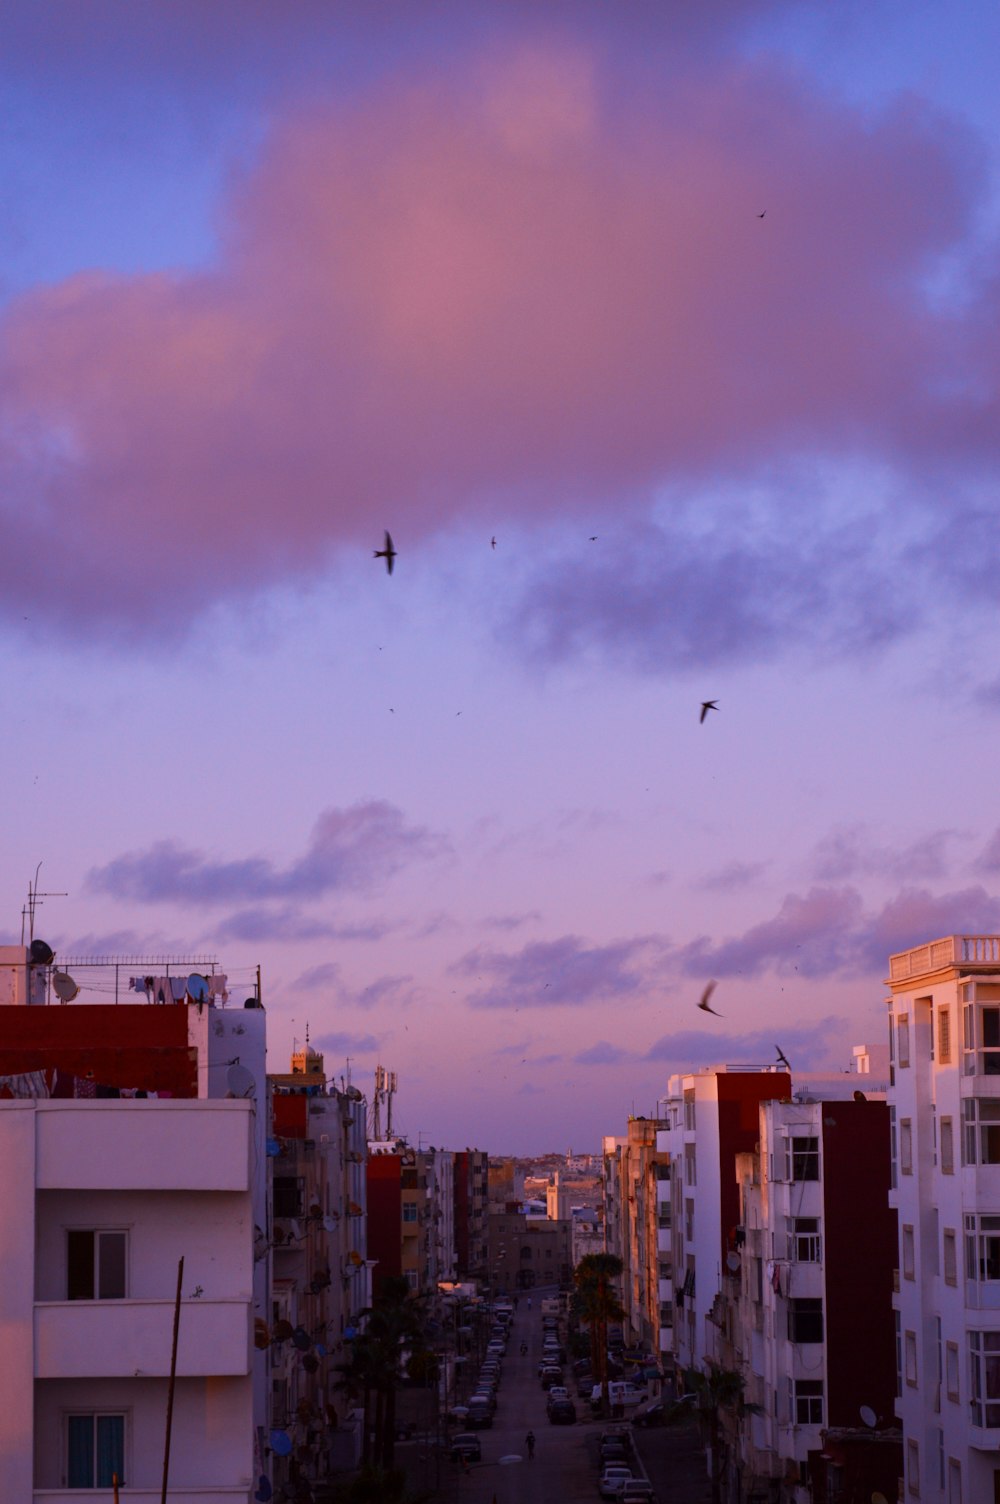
point(806, 1317)
point(712, 1117)
point(944, 1011)
point(130, 1138)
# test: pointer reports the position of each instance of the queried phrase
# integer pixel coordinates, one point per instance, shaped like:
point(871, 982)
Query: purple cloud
point(849, 852)
point(349, 849)
point(260, 923)
point(563, 972)
point(326, 974)
point(989, 858)
point(603, 1053)
point(347, 1044)
point(827, 932)
point(734, 876)
point(808, 1048)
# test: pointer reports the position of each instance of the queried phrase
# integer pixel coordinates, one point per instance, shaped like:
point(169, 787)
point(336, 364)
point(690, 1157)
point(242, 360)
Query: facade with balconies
point(944, 1017)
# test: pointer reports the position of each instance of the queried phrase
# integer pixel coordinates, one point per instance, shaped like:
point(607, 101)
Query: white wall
point(17, 1261)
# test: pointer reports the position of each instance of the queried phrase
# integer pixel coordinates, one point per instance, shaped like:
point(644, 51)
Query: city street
point(563, 1471)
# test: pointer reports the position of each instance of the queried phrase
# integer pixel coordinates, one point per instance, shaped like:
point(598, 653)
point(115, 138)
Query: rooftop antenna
point(34, 899)
point(390, 1094)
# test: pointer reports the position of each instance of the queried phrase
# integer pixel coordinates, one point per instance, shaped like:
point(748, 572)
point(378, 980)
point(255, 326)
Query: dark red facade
point(385, 1214)
point(740, 1096)
point(860, 1254)
point(114, 1045)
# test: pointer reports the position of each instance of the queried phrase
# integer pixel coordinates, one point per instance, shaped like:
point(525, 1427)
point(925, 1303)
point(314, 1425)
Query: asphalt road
point(563, 1471)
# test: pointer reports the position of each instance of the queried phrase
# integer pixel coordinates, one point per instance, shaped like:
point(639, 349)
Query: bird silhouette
point(388, 553)
point(703, 1005)
point(493, 542)
point(592, 538)
point(761, 214)
point(706, 706)
point(782, 1059)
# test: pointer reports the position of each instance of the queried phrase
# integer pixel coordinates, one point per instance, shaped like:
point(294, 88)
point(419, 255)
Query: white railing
point(952, 950)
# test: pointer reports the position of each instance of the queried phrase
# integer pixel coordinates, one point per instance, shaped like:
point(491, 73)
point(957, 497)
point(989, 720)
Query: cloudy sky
point(693, 309)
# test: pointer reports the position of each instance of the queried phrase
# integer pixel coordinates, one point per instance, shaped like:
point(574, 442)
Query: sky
point(663, 339)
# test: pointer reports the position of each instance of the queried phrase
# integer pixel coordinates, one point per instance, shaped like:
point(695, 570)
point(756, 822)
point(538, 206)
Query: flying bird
point(493, 542)
point(782, 1059)
point(388, 553)
point(761, 214)
point(592, 538)
point(706, 706)
point(703, 1005)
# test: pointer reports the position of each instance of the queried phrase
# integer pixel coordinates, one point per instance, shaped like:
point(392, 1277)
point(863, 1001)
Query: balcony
point(952, 951)
point(108, 1339)
point(143, 1145)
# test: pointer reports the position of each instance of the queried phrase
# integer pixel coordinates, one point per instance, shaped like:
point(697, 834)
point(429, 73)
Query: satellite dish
point(301, 1339)
point(732, 1262)
point(241, 1081)
point(197, 988)
point(328, 1224)
point(41, 954)
point(64, 986)
point(281, 1443)
point(868, 1416)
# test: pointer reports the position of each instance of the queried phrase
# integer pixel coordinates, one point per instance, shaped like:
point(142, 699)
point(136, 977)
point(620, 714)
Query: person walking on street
point(529, 1442)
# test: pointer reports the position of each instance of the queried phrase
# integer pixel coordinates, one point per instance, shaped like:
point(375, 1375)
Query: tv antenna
point(34, 899)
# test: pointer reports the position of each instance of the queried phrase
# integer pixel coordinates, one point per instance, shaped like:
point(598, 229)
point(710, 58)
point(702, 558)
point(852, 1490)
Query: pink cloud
point(529, 284)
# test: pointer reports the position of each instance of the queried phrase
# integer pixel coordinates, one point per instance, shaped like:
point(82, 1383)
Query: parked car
point(612, 1478)
point(557, 1392)
point(479, 1418)
point(551, 1376)
point(649, 1415)
point(635, 1491)
point(611, 1452)
point(466, 1445)
point(620, 1393)
point(562, 1413)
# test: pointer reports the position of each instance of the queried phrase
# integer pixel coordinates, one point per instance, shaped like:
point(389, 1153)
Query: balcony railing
point(953, 950)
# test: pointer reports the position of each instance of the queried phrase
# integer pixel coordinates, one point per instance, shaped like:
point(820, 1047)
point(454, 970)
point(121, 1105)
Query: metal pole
point(170, 1385)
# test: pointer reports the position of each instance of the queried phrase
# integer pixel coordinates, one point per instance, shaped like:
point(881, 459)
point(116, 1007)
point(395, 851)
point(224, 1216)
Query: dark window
point(805, 1321)
point(805, 1158)
point(95, 1450)
point(809, 1402)
point(287, 1196)
point(95, 1264)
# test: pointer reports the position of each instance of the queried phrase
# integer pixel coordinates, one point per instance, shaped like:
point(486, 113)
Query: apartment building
point(636, 1187)
point(321, 1270)
point(471, 1215)
point(711, 1117)
point(131, 1138)
point(527, 1252)
point(805, 1309)
point(944, 1098)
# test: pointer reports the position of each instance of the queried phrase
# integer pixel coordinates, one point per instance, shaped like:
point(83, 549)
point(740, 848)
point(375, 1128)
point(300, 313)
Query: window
point(903, 1040)
point(982, 1247)
point(95, 1264)
point(409, 1211)
point(809, 1402)
point(690, 1169)
point(95, 1450)
point(951, 1370)
point(899, 1353)
point(947, 1147)
point(905, 1146)
point(981, 1116)
point(804, 1240)
point(950, 1246)
point(981, 1038)
point(287, 1196)
point(805, 1320)
point(412, 1279)
point(908, 1253)
point(893, 1150)
point(803, 1158)
point(913, 1468)
point(954, 1481)
point(984, 1353)
point(910, 1358)
point(689, 1111)
point(689, 1221)
point(944, 1036)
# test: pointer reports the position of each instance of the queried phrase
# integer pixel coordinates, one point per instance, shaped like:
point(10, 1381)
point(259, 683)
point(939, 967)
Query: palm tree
point(709, 1393)
point(596, 1277)
point(391, 1345)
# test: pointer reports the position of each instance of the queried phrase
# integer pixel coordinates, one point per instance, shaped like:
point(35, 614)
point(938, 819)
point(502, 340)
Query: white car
point(611, 1480)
